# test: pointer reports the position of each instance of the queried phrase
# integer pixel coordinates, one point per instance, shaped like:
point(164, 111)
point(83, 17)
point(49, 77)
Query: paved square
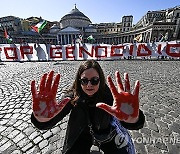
point(159, 99)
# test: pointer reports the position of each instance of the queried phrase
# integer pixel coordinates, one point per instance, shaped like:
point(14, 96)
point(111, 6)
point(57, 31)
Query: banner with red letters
point(46, 52)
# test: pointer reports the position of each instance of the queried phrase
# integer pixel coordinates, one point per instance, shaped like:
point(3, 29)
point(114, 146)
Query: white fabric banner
point(42, 52)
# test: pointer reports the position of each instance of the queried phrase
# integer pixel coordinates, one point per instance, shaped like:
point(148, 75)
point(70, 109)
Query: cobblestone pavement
point(159, 99)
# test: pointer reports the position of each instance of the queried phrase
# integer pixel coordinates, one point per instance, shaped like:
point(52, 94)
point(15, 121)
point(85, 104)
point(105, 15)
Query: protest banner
point(46, 52)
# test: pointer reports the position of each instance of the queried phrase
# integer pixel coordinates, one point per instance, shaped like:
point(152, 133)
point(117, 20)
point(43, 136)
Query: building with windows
point(153, 26)
point(127, 23)
point(83, 26)
point(11, 24)
point(20, 30)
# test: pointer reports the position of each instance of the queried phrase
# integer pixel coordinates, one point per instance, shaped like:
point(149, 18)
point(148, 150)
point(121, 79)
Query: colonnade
point(67, 38)
point(149, 35)
point(146, 37)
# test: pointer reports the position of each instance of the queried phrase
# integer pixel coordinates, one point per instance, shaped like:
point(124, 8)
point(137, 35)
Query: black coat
point(78, 118)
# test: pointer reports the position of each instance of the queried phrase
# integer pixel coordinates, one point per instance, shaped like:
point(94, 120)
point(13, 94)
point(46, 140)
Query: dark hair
point(76, 87)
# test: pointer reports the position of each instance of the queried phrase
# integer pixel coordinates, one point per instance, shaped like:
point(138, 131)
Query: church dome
point(75, 18)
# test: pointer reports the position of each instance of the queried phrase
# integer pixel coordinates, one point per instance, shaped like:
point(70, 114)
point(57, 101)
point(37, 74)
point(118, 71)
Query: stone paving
point(159, 99)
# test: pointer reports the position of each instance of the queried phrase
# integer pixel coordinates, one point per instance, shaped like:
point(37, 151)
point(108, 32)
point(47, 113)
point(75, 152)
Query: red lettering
point(173, 54)
point(81, 50)
point(159, 49)
point(26, 50)
point(131, 49)
point(14, 54)
point(113, 48)
point(97, 51)
point(142, 46)
point(172, 50)
point(69, 52)
point(56, 52)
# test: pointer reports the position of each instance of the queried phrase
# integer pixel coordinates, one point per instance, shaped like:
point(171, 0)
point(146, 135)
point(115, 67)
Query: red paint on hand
point(44, 101)
point(126, 104)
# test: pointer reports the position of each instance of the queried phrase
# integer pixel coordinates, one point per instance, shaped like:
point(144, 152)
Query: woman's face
point(90, 81)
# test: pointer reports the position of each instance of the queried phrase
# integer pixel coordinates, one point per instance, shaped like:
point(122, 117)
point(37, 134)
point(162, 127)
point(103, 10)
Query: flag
point(138, 38)
point(37, 28)
point(90, 38)
point(162, 38)
point(166, 36)
point(8, 38)
point(78, 39)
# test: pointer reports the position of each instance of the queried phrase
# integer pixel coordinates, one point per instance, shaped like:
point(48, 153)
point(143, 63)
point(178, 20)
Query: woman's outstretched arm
point(44, 104)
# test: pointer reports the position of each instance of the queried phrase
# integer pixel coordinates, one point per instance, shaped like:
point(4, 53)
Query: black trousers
point(84, 143)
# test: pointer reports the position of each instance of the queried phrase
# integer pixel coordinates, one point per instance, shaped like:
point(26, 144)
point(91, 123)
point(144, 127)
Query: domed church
point(75, 19)
point(72, 26)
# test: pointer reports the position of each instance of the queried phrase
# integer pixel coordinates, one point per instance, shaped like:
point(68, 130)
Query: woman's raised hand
point(126, 104)
point(45, 106)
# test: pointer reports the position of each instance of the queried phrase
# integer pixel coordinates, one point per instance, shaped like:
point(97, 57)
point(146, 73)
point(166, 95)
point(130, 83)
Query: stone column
point(65, 39)
point(69, 39)
point(120, 40)
point(61, 39)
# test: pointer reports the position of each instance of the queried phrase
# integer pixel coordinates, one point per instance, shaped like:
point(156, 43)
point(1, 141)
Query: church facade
point(75, 26)
point(152, 26)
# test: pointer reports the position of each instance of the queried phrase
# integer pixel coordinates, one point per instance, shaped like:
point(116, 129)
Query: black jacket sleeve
point(135, 126)
point(52, 122)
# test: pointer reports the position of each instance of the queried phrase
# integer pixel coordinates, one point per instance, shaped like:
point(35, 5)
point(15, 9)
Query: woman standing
point(99, 114)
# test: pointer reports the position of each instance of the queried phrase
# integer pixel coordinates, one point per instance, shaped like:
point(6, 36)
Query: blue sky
point(98, 11)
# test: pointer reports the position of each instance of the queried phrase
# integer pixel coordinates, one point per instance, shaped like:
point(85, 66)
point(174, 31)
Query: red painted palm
point(45, 105)
point(126, 104)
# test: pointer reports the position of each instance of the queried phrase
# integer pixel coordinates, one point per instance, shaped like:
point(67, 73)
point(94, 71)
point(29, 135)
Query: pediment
point(69, 29)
